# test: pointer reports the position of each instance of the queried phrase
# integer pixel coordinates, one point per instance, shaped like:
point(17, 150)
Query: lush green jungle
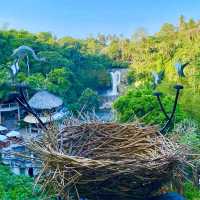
point(77, 70)
point(74, 69)
point(160, 52)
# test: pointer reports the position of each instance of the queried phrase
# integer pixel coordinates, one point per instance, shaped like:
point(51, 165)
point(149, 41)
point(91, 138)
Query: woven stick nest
point(106, 160)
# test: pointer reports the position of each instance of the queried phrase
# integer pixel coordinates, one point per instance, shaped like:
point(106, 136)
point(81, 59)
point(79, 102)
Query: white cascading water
point(116, 79)
point(112, 94)
point(106, 113)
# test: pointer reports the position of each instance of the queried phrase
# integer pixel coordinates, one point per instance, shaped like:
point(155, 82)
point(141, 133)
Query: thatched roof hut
point(45, 119)
point(44, 100)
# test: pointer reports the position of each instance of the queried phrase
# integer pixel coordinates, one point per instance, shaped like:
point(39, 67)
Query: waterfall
point(106, 113)
point(112, 94)
point(115, 79)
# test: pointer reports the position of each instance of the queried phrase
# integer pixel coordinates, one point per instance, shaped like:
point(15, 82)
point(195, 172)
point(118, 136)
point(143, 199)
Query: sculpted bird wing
point(180, 68)
point(154, 74)
point(184, 65)
point(25, 50)
point(155, 77)
point(161, 74)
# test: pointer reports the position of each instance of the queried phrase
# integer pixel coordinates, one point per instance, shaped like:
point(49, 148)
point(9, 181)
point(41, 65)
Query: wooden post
point(18, 113)
point(30, 130)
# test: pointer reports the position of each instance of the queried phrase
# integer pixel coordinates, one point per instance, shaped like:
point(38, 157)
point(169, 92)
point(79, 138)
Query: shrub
point(186, 126)
point(188, 134)
point(89, 101)
point(140, 103)
point(13, 187)
point(191, 192)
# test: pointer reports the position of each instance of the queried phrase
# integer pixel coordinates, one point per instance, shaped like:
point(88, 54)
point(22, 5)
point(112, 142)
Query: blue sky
point(80, 18)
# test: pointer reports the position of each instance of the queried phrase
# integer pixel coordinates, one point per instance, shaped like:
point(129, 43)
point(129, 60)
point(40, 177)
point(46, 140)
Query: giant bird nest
point(106, 160)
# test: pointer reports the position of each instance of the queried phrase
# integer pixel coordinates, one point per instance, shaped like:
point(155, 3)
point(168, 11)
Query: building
point(49, 108)
point(8, 109)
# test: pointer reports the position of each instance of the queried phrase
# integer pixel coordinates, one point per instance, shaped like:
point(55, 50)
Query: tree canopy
point(161, 51)
point(71, 65)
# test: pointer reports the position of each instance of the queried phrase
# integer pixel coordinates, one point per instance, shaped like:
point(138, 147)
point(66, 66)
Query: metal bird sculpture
point(180, 68)
point(157, 77)
point(23, 52)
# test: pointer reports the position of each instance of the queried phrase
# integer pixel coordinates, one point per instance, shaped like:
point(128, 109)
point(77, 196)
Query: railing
point(9, 107)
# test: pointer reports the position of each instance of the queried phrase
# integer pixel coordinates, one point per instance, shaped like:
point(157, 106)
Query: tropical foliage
point(139, 103)
point(191, 192)
point(15, 187)
point(71, 65)
point(76, 69)
point(162, 51)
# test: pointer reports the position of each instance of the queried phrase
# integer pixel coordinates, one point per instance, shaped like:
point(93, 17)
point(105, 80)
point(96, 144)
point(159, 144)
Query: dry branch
point(106, 160)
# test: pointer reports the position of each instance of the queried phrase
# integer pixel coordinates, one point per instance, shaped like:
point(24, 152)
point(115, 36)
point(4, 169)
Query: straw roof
point(45, 100)
point(3, 128)
point(45, 119)
point(3, 138)
point(13, 134)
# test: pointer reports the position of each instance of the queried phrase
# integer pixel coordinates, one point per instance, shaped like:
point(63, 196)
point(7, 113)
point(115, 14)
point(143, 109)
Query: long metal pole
point(162, 107)
point(178, 88)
